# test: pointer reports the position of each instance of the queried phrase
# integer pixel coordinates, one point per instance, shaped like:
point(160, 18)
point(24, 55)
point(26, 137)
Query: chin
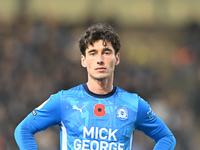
point(100, 77)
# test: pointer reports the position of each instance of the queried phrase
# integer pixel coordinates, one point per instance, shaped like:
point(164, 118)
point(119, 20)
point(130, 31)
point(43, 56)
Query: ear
point(83, 63)
point(117, 59)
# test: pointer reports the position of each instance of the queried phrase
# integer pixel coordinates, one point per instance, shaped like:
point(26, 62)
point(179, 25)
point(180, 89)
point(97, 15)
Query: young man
point(96, 115)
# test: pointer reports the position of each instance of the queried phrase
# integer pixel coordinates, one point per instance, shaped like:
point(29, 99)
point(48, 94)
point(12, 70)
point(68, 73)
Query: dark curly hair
point(99, 31)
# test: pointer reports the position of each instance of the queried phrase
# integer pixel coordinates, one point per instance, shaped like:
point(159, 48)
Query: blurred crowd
point(41, 57)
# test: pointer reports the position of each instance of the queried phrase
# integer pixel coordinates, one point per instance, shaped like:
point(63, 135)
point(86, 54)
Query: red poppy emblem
point(99, 110)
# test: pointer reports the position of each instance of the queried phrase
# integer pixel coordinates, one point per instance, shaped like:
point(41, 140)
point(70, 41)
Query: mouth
point(100, 69)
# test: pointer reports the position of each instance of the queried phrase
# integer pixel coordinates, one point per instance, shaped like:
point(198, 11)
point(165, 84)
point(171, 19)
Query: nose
point(100, 59)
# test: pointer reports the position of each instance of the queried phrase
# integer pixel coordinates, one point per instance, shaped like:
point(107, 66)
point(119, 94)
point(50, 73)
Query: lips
point(100, 69)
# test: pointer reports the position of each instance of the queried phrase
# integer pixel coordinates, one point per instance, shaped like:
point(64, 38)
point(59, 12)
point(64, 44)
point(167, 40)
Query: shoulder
point(130, 99)
point(123, 93)
point(72, 91)
point(56, 100)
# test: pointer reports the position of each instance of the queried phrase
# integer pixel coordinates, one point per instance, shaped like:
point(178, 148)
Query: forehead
point(100, 44)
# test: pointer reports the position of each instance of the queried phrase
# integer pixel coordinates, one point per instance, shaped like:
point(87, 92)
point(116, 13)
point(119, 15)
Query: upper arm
point(48, 113)
point(149, 123)
point(44, 116)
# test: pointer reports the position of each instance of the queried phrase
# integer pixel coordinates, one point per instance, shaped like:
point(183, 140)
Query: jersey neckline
point(99, 95)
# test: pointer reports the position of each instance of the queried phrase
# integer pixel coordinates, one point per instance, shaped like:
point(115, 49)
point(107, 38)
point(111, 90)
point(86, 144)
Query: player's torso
point(98, 123)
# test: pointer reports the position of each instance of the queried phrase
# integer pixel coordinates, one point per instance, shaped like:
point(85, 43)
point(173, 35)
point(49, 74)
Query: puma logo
point(80, 109)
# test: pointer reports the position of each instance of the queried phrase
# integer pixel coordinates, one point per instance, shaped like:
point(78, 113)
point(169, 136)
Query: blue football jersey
point(90, 121)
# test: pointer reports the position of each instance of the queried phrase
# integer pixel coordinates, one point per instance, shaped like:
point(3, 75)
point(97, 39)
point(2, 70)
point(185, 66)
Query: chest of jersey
point(109, 120)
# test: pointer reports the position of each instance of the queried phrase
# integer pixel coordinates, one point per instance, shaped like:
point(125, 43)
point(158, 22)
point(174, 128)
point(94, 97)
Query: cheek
point(112, 63)
point(89, 65)
point(112, 66)
point(87, 62)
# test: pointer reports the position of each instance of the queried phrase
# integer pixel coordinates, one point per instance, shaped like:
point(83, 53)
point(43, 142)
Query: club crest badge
point(122, 113)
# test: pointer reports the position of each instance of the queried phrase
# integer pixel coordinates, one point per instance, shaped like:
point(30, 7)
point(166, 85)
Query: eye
point(107, 52)
point(92, 53)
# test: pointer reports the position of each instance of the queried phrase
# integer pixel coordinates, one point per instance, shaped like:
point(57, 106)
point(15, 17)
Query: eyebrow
point(104, 49)
point(92, 50)
point(107, 49)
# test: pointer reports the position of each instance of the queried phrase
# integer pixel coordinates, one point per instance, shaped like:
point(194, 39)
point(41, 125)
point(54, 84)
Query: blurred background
point(160, 53)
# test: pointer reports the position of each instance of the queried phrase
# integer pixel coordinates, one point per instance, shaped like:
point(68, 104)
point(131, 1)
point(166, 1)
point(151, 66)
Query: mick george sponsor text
point(94, 133)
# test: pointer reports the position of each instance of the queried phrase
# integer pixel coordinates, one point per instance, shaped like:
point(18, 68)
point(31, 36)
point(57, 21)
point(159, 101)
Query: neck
point(102, 86)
